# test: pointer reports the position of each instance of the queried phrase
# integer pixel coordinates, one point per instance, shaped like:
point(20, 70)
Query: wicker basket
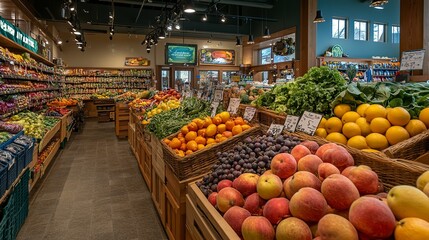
point(411, 148)
point(267, 117)
point(200, 162)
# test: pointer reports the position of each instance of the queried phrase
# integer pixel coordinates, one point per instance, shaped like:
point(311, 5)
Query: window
point(265, 56)
point(361, 29)
point(395, 34)
point(339, 28)
point(379, 32)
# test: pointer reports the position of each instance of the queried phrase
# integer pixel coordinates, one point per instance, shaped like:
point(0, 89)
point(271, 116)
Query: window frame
point(260, 55)
point(360, 30)
point(399, 34)
point(346, 30)
point(384, 39)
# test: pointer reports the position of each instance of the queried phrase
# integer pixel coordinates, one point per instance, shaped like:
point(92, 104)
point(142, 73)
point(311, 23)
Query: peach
point(325, 170)
point(276, 209)
point(283, 165)
point(269, 186)
point(339, 191)
point(286, 188)
point(332, 226)
point(293, 228)
point(212, 198)
point(321, 150)
point(308, 204)
point(372, 217)
point(304, 179)
point(342, 213)
point(309, 163)
point(223, 184)
point(257, 227)
point(311, 145)
point(254, 204)
point(235, 217)
point(300, 151)
point(227, 198)
point(246, 183)
point(339, 157)
point(365, 180)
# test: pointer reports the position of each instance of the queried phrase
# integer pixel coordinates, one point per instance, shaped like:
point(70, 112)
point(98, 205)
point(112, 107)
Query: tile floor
point(94, 190)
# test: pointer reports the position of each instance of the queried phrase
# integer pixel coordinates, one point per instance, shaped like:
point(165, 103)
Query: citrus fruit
point(396, 134)
point(192, 126)
point(358, 142)
point(237, 130)
point(224, 116)
point(166, 141)
point(200, 122)
point(192, 145)
point(245, 127)
point(227, 134)
point(191, 136)
point(379, 125)
point(200, 146)
point(333, 124)
point(361, 109)
point(221, 128)
point(373, 111)
point(175, 143)
point(364, 126)
point(188, 152)
point(200, 140)
point(184, 130)
point(377, 141)
point(202, 132)
point(181, 153)
point(370, 150)
point(322, 123)
point(229, 125)
point(182, 139)
point(321, 132)
point(216, 120)
point(238, 121)
point(351, 129)
point(183, 146)
point(210, 141)
point(398, 116)
point(337, 137)
point(351, 116)
point(211, 130)
point(207, 121)
point(341, 109)
point(415, 127)
point(424, 116)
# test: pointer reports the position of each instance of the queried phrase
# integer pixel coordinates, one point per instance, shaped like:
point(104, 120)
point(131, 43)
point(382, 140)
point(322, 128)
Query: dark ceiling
point(141, 16)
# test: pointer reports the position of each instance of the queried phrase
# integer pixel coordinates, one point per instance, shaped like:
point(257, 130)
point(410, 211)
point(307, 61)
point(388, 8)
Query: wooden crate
point(63, 126)
point(49, 135)
point(146, 165)
point(131, 137)
point(188, 234)
point(122, 117)
point(137, 146)
point(158, 195)
point(203, 220)
point(158, 163)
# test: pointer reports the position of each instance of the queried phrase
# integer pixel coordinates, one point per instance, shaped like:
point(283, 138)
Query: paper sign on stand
point(291, 122)
point(249, 113)
point(234, 103)
point(214, 107)
point(309, 122)
point(275, 129)
point(218, 95)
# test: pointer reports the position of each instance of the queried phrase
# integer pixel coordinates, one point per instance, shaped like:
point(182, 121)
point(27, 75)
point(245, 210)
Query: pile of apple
point(317, 193)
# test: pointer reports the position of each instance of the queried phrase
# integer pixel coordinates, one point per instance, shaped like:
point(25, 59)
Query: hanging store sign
point(217, 57)
point(8, 30)
point(136, 61)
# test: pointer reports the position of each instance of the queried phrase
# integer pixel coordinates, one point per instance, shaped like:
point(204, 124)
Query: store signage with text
point(13, 33)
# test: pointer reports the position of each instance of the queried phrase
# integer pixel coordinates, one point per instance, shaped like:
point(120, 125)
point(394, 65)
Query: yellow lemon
point(398, 116)
point(396, 134)
point(351, 129)
point(424, 116)
point(379, 125)
point(377, 141)
point(415, 127)
point(322, 123)
point(358, 142)
point(361, 109)
point(341, 109)
point(333, 124)
point(373, 111)
point(321, 132)
point(351, 116)
point(337, 137)
point(364, 126)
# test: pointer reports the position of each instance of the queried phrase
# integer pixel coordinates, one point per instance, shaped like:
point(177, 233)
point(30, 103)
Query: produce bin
point(8, 158)
point(18, 152)
point(267, 117)
point(3, 177)
point(411, 148)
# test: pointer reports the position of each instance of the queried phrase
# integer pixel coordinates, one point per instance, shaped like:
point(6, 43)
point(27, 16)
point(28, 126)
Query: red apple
point(269, 186)
point(235, 217)
point(246, 183)
point(283, 165)
point(223, 184)
point(254, 204)
point(257, 227)
point(276, 209)
point(227, 198)
point(212, 198)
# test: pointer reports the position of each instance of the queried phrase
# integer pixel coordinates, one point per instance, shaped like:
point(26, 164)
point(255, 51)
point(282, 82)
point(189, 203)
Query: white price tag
point(218, 95)
point(308, 122)
point(234, 103)
point(214, 107)
point(249, 113)
point(188, 94)
point(275, 129)
point(291, 122)
point(199, 94)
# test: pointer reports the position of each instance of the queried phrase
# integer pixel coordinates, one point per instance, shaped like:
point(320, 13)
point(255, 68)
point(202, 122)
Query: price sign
point(275, 129)
point(234, 103)
point(218, 95)
point(199, 94)
point(214, 107)
point(249, 113)
point(291, 122)
point(308, 122)
point(188, 94)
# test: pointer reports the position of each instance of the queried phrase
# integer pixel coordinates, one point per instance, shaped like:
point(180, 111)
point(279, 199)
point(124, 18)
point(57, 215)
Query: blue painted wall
point(358, 10)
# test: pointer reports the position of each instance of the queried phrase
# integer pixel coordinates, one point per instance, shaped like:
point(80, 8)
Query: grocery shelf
point(27, 91)
point(15, 111)
point(16, 77)
point(48, 136)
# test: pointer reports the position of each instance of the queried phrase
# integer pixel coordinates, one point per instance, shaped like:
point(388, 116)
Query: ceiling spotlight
point(189, 7)
point(72, 8)
point(378, 4)
point(177, 26)
point(79, 46)
point(222, 18)
point(59, 42)
point(251, 39)
point(110, 15)
point(77, 32)
point(204, 17)
point(169, 27)
point(266, 33)
point(237, 41)
point(319, 18)
point(70, 23)
point(162, 34)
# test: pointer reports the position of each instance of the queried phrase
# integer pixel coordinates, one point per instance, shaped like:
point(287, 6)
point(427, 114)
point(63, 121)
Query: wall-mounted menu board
point(181, 54)
point(412, 60)
point(217, 57)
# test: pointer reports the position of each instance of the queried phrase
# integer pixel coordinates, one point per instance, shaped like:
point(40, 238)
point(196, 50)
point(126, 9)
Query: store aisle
point(94, 191)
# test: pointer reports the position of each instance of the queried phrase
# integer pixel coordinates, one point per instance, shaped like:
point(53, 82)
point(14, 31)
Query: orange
point(183, 147)
point(237, 130)
point(192, 126)
point(210, 141)
point(218, 136)
point(217, 120)
point(190, 136)
point(207, 121)
point(184, 130)
point(227, 134)
point(192, 145)
point(223, 139)
point(245, 127)
point(182, 140)
point(200, 140)
point(181, 153)
point(239, 121)
point(166, 141)
point(188, 152)
point(175, 143)
point(221, 128)
point(200, 146)
point(225, 116)
point(211, 130)
point(202, 132)
point(200, 122)
point(229, 125)
point(180, 135)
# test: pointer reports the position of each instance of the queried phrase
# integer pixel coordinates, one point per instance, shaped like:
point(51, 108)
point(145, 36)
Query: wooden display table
point(122, 117)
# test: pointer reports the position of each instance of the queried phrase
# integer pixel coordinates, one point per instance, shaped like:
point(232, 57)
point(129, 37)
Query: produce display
point(317, 193)
point(56, 112)
point(10, 87)
point(10, 127)
point(35, 125)
point(371, 126)
point(14, 103)
point(44, 154)
point(203, 132)
point(4, 136)
point(24, 59)
point(163, 106)
point(63, 102)
point(247, 94)
point(131, 95)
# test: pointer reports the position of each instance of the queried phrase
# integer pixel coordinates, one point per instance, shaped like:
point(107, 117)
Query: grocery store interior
point(214, 119)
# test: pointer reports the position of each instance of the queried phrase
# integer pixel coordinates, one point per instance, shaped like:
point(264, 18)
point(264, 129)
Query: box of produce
point(313, 192)
point(192, 150)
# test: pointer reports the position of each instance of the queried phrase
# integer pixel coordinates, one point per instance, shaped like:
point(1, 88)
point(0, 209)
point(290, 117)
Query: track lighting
point(177, 26)
point(222, 18)
point(204, 17)
point(59, 42)
point(237, 41)
point(378, 4)
point(79, 46)
point(319, 18)
point(169, 27)
point(77, 32)
point(266, 33)
point(189, 6)
point(251, 40)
